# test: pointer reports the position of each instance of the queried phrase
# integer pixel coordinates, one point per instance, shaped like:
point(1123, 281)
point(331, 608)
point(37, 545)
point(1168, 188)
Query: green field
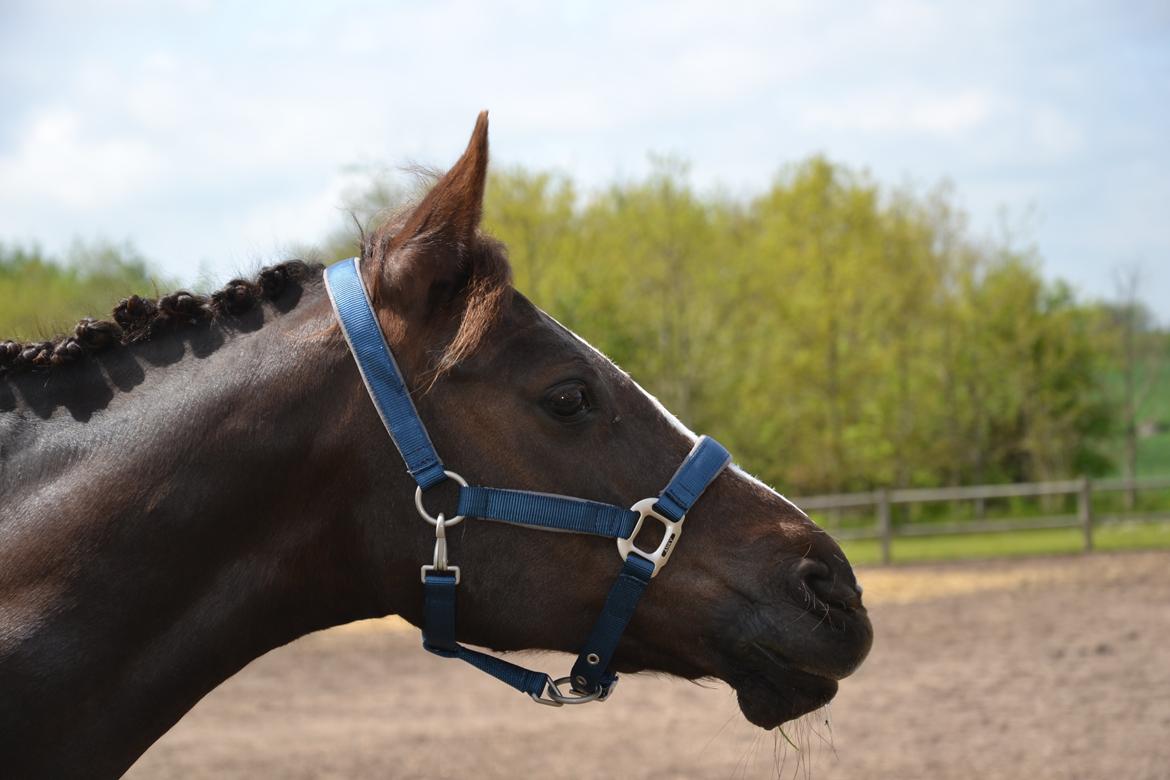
point(1056, 541)
point(1153, 455)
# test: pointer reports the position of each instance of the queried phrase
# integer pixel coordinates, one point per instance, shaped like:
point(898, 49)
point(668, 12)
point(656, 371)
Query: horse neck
point(149, 553)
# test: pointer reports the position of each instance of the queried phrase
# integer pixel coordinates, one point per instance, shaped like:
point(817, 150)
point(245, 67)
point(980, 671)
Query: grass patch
point(1153, 456)
point(1048, 541)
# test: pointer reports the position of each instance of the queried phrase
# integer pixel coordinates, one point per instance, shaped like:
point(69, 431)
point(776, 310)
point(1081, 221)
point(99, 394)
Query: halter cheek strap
point(591, 678)
point(380, 373)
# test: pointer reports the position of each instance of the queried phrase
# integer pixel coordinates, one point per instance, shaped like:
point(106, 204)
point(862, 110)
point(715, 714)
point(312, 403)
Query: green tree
point(42, 296)
point(837, 335)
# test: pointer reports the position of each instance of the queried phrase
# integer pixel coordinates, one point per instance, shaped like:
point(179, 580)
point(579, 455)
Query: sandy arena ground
point(1053, 668)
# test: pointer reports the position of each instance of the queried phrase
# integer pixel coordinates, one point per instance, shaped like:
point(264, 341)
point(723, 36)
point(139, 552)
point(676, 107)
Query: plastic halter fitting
point(590, 678)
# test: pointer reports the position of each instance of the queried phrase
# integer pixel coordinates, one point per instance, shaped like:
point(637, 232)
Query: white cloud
point(1055, 134)
point(210, 130)
point(299, 219)
point(906, 110)
point(58, 162)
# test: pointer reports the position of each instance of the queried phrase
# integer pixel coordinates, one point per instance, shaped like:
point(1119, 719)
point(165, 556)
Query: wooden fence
point(884, 500)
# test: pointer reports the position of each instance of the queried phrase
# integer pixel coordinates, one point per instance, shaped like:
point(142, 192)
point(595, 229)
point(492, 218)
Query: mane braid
point(136, 318)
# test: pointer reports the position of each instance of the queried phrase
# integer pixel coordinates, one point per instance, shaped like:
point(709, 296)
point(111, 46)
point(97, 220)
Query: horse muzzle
point(788, 654)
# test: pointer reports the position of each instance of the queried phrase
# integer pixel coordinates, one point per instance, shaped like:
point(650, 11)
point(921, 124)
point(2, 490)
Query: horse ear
point(432, 257)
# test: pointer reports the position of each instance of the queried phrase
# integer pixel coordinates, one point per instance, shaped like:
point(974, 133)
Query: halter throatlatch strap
point(591, 678)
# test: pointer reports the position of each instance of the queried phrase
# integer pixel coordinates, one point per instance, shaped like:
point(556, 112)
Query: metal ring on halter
point(557, 699)
point(418, 503)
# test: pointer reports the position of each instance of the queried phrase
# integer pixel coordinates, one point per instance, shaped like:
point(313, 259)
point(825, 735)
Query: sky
point(215, 136)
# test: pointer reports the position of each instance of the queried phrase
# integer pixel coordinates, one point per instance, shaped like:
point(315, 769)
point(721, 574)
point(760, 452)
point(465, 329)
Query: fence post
point(1085, 511)
point(885, 527)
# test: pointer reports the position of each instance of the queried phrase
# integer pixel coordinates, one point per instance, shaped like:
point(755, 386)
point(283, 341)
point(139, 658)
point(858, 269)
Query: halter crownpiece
point(590, 678)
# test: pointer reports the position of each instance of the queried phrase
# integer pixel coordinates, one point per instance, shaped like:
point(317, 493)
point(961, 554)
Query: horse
point(201, 479)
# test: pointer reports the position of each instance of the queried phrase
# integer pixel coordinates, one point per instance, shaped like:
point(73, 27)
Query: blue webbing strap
point(592, 666)
point(544, 510)
point(702, 465)
point(578, 515)
point(380, 373)
point(439, 638)
point(392, 399)
point(706, 460)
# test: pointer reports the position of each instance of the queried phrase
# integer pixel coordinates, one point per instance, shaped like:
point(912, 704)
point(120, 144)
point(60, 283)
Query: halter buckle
point(440, 558)
point(658, 556)
point(553, 696)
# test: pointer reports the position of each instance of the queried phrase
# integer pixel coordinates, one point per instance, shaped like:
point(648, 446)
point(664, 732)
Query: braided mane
point(137, 319)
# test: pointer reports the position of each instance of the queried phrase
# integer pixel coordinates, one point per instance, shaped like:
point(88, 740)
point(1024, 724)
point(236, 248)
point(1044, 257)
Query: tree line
point(836, 335)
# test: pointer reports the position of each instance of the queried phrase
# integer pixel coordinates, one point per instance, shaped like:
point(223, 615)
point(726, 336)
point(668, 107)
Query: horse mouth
point(772, 691)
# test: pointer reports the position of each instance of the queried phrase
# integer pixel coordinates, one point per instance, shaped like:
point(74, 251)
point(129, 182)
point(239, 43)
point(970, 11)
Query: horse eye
point(568, 400)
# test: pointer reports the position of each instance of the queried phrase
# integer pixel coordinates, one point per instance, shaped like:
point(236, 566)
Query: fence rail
point(883, 501)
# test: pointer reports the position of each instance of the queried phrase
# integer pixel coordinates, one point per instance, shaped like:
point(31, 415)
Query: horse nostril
point(838, 589)
point(815, 576)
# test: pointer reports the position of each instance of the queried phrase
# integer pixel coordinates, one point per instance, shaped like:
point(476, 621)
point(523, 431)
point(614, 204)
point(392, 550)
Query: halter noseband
point(590, 678)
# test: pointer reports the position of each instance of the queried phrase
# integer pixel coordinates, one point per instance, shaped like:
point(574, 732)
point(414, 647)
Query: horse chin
point(769, 699)
point(773, 689)
point(781, 667)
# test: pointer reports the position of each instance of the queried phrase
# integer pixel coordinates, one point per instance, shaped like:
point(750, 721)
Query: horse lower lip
point(773, 690)
point(782, 694)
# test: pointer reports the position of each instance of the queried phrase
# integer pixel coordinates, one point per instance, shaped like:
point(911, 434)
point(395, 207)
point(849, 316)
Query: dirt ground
point(1053, 668)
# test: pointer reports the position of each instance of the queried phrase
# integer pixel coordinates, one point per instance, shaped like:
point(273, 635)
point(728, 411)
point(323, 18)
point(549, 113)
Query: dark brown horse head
point(756, 593)
point(204, 478)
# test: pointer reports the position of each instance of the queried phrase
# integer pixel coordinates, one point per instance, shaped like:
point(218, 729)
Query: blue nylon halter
point(590, 678)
